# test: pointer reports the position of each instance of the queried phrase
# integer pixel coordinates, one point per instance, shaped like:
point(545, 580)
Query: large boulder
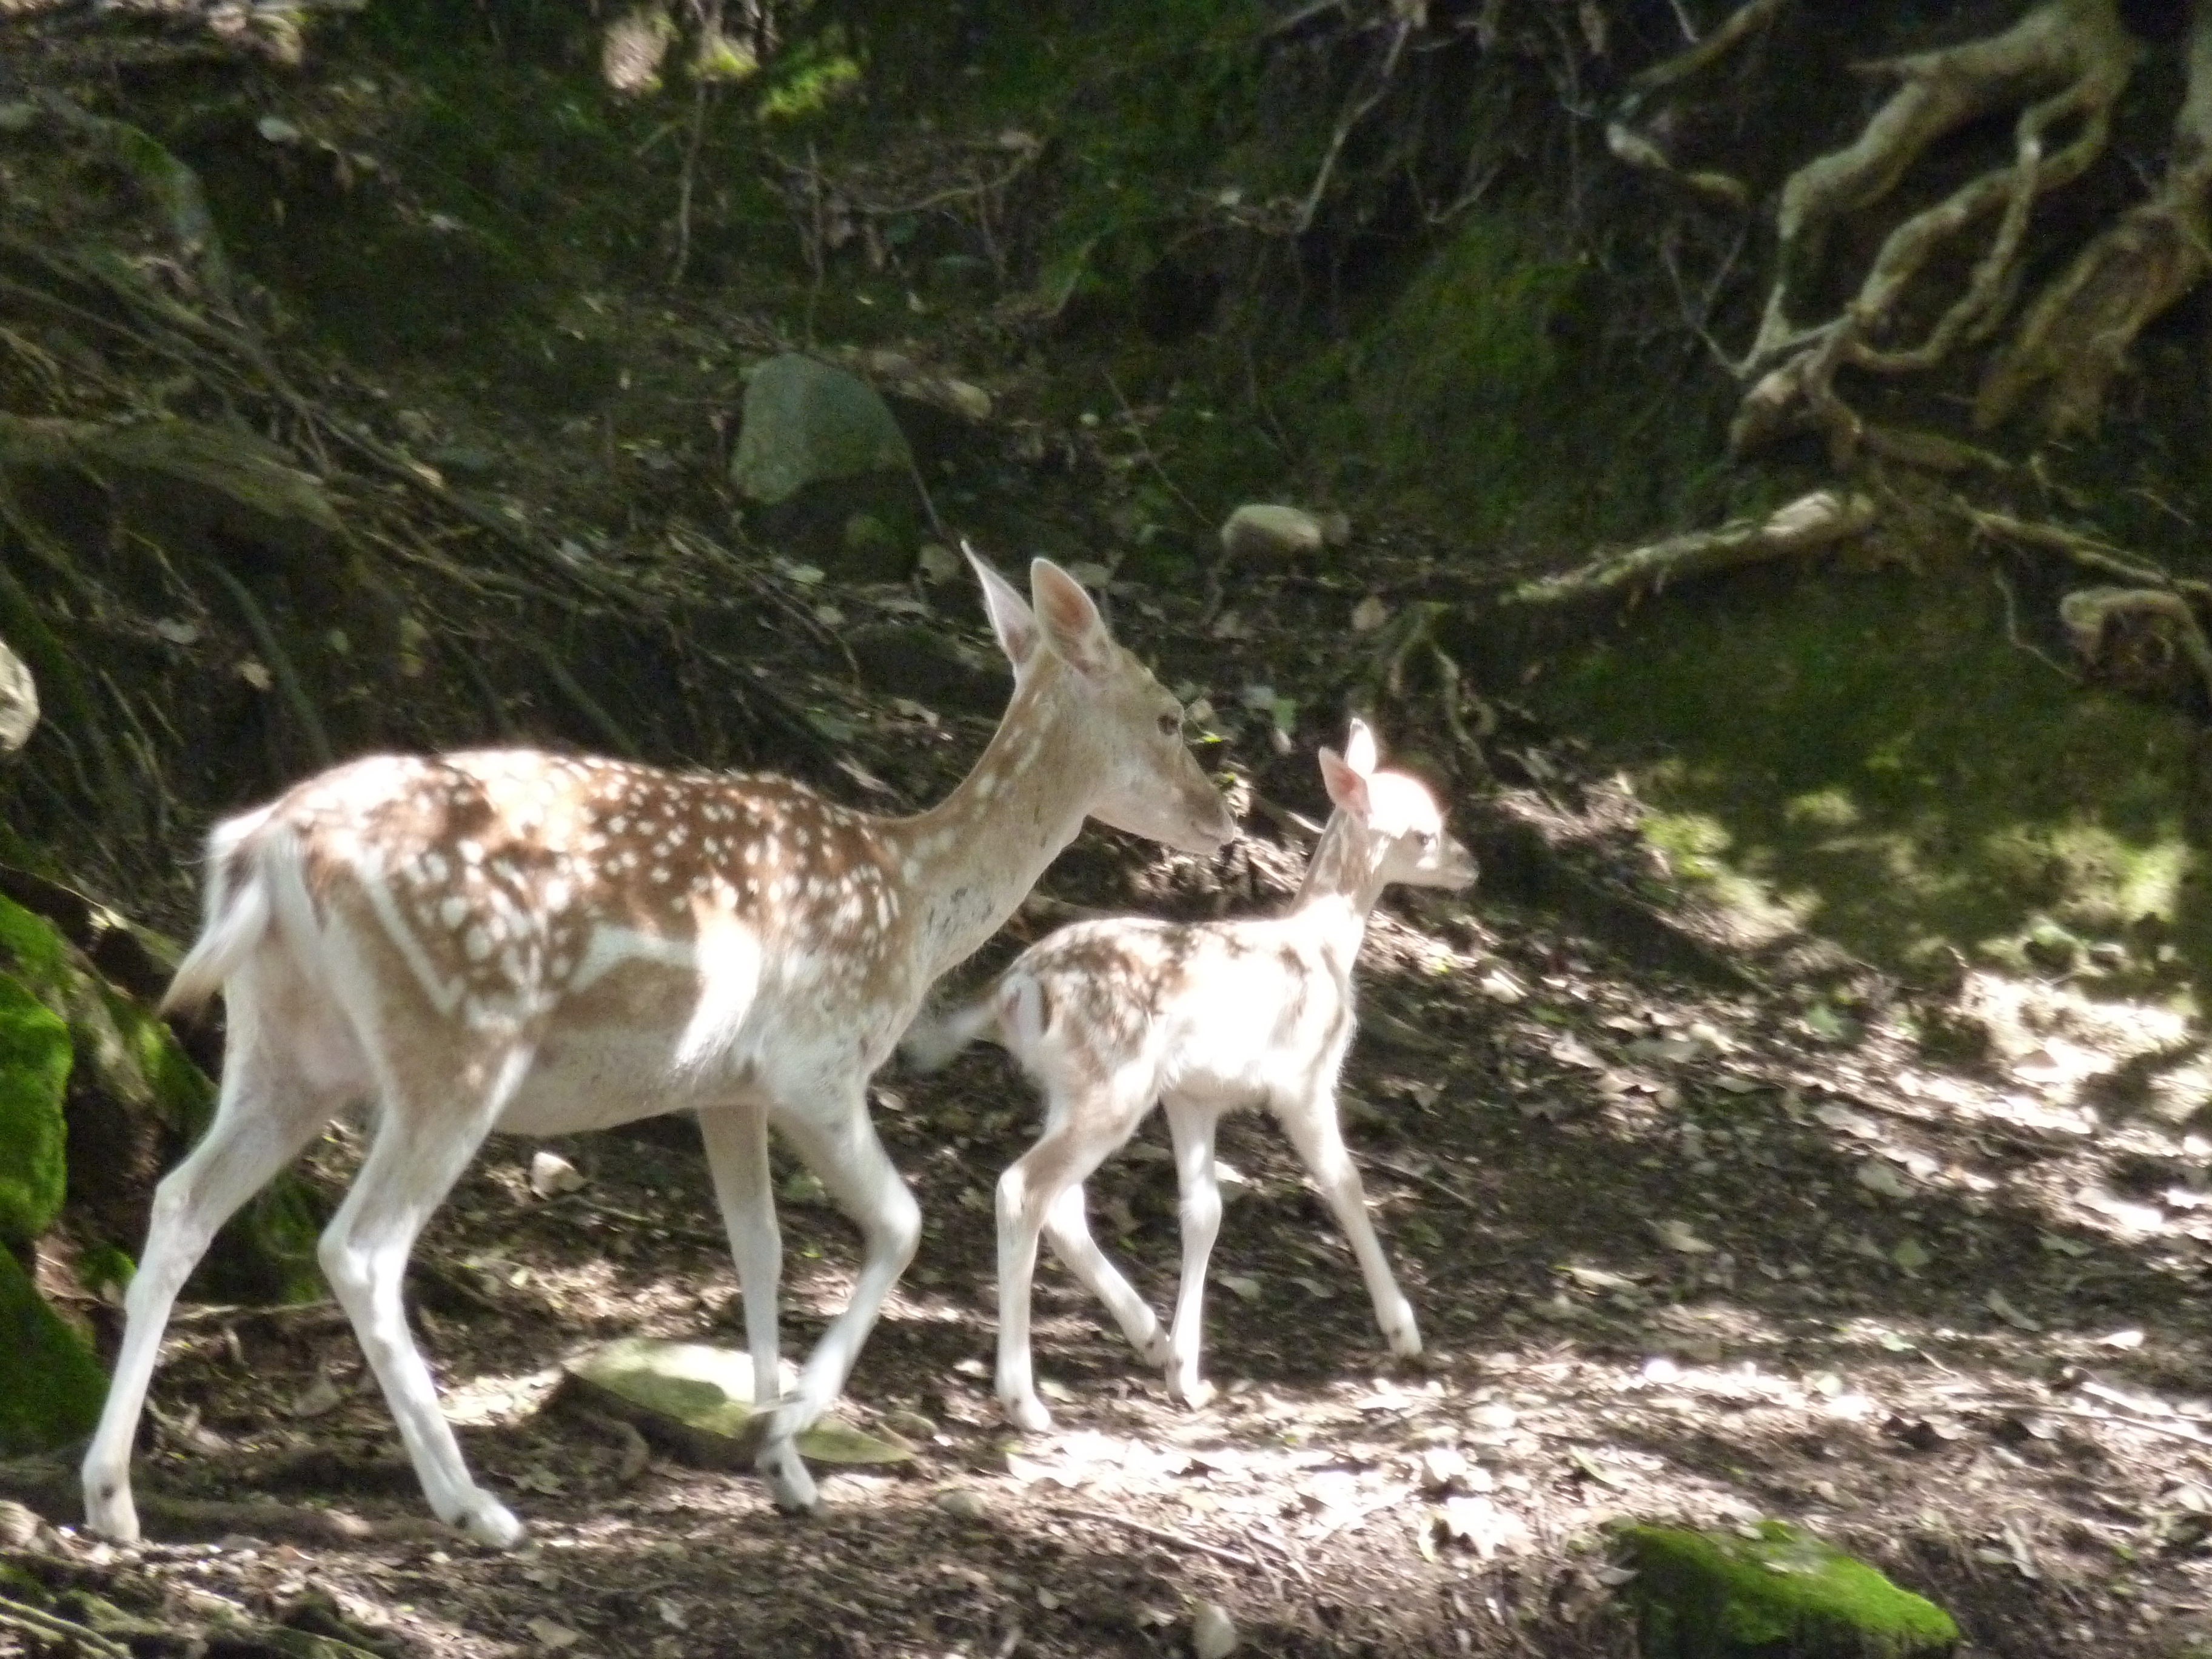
point(806, 422)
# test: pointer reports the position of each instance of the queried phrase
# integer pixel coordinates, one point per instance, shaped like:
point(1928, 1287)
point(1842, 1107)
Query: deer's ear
point(1360, 748)
point(1346, 783)
point(1070, 619)
point(1011, 620)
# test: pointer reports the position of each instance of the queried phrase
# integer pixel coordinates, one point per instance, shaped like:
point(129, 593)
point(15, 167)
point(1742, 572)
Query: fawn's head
point(1406, 827)
point(1142, 777)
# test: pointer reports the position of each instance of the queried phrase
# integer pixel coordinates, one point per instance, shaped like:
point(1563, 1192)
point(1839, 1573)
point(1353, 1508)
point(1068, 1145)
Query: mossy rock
point(50, 1386)
point(697, 1401)
point(134, 1104)
point(807, 422)
point(1777, 1594)
point(34, 1069)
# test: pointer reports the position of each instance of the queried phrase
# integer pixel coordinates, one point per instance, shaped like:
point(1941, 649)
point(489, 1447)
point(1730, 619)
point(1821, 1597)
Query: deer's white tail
point(936, 1035)
point(240, 906)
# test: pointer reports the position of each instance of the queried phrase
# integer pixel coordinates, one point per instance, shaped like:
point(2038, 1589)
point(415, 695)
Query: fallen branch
point(1806, 525)
point(1166, 1535)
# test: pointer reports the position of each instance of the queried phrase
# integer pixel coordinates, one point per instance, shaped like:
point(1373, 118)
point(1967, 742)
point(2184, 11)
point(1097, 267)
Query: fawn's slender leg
point(1034, 1194)
point(843, 1150)
point(421, 1146)
point(266, 1113)
point(737, 1156)
point(1067, 1225)
point(1192, 1126)
point(1320, 1141)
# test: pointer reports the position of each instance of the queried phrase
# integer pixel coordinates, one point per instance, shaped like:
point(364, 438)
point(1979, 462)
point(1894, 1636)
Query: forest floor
point(1714, 1247)
point(1677, 1253)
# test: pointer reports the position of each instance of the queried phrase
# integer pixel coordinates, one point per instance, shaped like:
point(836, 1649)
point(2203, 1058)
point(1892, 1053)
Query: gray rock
point(1266, 527)
point(804, 423)
point(19, 702)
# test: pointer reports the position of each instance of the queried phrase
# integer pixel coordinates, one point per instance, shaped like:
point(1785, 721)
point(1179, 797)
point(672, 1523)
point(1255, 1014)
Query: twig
point(2171, 1431)
point(2013, 633)
point(606, 725)
point(280, 665)
point(1166, 1535)
point(685, 174)
point(1354, 113)
point(1406, 1172)
point(1144, 449)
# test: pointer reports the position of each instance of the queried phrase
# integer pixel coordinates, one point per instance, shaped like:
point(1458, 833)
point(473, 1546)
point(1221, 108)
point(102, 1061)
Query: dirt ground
point(1676, 1252)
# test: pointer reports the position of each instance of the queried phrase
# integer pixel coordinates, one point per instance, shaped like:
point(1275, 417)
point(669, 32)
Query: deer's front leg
point(1320, 1143)
point(736, 1139)
point(838, 1144)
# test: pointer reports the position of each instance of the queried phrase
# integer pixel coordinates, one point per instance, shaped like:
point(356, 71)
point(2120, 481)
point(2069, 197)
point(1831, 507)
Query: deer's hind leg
point(438, 1104)
point(1042, 1191)
point(274, 1099)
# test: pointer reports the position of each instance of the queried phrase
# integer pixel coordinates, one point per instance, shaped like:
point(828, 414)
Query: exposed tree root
point(1811, 522)
point(2077, 334)
point(2061, 67)
point(2136, 636)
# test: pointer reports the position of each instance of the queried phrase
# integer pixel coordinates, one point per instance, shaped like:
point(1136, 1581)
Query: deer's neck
point(968, 861)
point(1340, 889)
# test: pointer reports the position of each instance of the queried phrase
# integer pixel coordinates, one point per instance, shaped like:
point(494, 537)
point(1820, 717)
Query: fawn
point(534, 943)
point(1108, 1016)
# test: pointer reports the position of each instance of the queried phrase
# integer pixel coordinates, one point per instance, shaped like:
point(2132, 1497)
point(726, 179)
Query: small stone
point(550, 1174)
point(1267, 527)
point(962, 1503)
point(1213, 1632)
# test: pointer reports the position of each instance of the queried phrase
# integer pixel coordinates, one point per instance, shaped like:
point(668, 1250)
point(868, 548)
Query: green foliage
point(34, 1066)
point(1487, 399)
point(50, 1386)
point(1780, 1594)
point(1870, 754)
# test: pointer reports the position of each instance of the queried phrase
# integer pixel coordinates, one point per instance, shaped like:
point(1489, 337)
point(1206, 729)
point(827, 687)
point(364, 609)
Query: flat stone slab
point(695, 1402)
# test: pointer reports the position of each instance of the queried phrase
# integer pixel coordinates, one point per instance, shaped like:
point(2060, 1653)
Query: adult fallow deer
point(535, 943)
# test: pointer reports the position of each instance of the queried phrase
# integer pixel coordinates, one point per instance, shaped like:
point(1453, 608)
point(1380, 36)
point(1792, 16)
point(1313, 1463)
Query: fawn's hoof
point(1027, 1414)
point(789, 1484)
point(1194, 1391)
point(111, 1513)
point(489, 1522)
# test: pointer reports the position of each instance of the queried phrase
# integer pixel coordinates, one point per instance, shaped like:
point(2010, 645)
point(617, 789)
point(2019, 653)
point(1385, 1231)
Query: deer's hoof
point(112, 1513)
point(1194, 1391)
point(489, 1522)
point(789, 1484)
point(1028, 1414)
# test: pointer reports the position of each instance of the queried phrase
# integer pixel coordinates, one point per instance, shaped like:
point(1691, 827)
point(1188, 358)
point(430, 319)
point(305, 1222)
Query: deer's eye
point(1170, 724)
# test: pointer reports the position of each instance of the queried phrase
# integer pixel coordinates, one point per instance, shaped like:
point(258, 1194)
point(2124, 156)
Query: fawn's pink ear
point(1071, 621)
point(1012, 619)
point(1360, 748)
point(1346, 783)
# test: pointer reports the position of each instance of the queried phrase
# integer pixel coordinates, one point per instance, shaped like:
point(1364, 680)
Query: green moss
point(34, 1067)
point(1484, 399)
point(124, 1069)
point(1720, 1596)
point(50, 1384)
point(1867, 753)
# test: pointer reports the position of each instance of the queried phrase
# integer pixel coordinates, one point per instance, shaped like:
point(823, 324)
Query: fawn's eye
point(1170, 724)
